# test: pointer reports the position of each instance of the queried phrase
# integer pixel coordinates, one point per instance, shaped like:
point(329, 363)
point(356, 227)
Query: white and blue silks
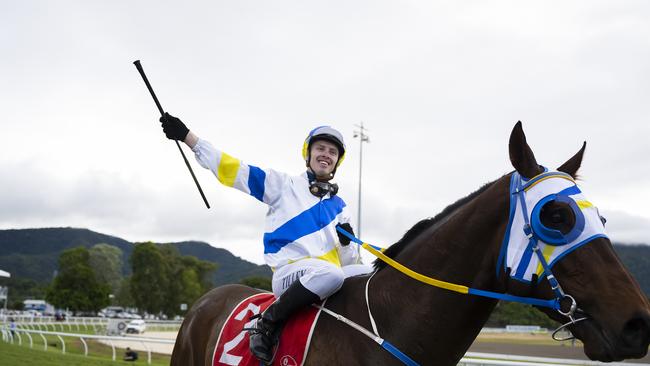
point(517, 248)
point(298, 224)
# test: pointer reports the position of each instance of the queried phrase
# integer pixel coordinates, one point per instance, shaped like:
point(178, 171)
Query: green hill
point(637, 259)
point(33, 253)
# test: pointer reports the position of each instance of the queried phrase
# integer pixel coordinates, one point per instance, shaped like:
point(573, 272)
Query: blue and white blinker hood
point(531, 248)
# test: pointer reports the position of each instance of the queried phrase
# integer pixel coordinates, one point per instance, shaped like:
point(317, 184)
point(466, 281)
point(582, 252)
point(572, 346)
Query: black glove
point(173, 127)
point(342, 238)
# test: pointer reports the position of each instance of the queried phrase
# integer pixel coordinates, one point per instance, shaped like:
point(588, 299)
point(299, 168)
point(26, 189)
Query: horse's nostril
point(636, 332)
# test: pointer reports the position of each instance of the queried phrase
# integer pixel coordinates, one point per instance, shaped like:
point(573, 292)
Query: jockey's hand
point(344, 240)
point(173, 127)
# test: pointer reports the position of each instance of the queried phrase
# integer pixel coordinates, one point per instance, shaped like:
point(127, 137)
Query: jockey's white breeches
point(318, 276)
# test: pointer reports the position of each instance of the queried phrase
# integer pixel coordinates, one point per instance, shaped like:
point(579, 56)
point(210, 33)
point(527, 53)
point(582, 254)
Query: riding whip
point(162, 112)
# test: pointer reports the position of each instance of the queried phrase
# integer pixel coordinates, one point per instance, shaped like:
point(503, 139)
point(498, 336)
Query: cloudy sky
point(438, 84)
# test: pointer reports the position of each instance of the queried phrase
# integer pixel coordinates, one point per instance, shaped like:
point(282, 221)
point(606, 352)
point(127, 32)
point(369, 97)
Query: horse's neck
point(462, 249)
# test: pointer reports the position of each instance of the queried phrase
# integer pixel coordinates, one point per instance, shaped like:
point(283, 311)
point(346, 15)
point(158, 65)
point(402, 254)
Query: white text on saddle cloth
point(234, 360)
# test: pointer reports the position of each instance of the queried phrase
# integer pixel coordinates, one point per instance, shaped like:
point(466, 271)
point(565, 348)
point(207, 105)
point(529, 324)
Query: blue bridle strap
point(552, 303)
point(533, 239)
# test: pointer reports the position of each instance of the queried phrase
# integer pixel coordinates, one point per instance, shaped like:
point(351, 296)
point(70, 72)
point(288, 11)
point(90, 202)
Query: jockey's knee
point(324, 281)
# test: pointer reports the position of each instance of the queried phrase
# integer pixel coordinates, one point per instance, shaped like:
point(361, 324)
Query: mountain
point(231, 268)
point(637, 259)
point(34, 253)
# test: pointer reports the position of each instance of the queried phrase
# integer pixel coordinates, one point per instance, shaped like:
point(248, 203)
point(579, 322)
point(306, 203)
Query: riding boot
point(266, 332)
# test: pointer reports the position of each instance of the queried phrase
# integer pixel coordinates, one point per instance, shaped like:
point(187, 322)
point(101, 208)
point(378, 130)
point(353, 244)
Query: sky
point(439, 85)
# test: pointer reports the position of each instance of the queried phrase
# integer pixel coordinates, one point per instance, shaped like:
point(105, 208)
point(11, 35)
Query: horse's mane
point(424, 224)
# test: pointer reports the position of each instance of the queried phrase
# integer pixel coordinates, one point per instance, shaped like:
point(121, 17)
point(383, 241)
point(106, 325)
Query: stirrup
point(256, 328)
point(259, 330)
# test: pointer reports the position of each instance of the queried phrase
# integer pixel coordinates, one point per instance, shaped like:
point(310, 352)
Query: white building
point(39, 305)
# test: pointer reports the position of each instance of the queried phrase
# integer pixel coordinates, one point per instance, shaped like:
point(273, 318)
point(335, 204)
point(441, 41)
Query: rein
point(552, 303)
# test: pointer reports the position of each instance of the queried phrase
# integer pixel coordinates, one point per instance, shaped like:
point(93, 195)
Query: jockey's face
point(322, 158)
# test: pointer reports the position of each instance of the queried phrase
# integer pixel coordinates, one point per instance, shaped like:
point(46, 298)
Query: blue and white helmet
point(326, 133)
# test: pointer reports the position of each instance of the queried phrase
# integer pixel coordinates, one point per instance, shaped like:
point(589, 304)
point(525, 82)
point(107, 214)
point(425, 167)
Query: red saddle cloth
point(232, 344)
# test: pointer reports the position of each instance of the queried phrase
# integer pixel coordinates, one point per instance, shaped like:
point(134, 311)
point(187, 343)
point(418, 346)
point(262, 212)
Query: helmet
point(326, 133)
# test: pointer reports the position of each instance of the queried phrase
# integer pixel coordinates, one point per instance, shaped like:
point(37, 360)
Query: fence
point(9, 336)
point(470, 358)
point(98, 324)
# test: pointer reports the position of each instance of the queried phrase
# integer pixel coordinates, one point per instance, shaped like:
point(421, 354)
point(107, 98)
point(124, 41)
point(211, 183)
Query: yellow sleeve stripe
point(227, 170)
point(415, 275)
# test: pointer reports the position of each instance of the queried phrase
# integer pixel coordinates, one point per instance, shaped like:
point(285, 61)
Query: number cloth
point(232, 345)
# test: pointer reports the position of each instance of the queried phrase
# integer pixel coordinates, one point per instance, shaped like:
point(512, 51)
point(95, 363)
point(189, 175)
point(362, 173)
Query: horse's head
point(613, 315)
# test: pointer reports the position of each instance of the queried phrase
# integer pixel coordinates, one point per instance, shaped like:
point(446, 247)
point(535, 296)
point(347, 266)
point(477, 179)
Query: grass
point(98, 354)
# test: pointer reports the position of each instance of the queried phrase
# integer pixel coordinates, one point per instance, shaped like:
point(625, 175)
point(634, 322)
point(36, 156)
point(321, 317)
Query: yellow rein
point(414, 275)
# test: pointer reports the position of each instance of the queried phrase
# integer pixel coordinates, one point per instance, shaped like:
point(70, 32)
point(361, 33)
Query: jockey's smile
point(323, 158)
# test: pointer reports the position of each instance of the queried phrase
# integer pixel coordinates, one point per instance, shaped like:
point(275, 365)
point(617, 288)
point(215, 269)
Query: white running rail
point(470, 358)
point(8, 336)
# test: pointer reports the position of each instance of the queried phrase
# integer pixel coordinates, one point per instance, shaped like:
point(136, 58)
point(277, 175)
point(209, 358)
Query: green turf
point(98, 354)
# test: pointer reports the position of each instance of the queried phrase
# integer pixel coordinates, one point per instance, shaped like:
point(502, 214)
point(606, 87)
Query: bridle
point(536, 232)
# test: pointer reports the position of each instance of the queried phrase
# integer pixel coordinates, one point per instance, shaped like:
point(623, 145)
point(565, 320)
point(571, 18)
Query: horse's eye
point(558, 216)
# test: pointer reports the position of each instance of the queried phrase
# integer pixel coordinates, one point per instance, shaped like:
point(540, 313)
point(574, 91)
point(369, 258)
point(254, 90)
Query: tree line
point(161, 279)
point(89, 279)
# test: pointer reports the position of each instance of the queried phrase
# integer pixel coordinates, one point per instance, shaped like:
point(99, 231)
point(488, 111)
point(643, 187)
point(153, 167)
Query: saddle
point(232, 344)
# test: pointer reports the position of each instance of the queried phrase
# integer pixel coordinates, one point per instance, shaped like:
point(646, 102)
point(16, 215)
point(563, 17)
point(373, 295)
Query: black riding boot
point(266, 332)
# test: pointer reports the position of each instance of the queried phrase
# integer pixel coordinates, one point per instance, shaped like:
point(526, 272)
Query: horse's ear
point(521, 155)
point(572, 165)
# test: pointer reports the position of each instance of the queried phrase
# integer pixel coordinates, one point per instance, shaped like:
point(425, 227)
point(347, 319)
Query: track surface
point(537, 350)
point(512, 344)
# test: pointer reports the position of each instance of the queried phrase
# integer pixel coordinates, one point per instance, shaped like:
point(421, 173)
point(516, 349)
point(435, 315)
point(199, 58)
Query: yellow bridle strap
point(413, 274)
point(549, 177)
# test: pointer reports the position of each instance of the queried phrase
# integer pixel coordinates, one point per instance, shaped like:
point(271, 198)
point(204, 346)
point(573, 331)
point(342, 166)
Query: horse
point(463, 245)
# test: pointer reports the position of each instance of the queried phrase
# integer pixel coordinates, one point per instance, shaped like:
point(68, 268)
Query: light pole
point(361, 134)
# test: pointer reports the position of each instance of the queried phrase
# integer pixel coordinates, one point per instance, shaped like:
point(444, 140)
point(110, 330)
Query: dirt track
point(539, 345)
point(533, 345)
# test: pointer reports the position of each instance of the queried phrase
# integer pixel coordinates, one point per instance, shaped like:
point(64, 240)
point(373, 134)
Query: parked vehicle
point(136, 326)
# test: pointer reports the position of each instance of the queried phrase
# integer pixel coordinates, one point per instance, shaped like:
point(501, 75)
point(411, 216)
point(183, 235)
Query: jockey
point(309, 258)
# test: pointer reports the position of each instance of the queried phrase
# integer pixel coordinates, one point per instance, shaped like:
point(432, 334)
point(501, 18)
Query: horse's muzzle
point(635, 337)
point(603, 345)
